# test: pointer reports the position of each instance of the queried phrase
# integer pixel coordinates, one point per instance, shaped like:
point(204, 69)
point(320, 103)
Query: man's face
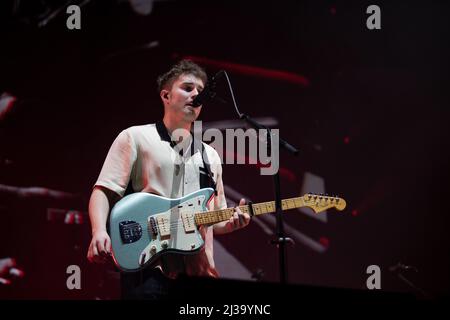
point(178, 101)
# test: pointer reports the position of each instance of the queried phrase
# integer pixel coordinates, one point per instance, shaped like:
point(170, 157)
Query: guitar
point(144, 226)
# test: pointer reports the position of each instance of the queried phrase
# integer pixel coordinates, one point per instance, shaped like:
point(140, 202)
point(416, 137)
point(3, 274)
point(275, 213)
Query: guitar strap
point(206, 176)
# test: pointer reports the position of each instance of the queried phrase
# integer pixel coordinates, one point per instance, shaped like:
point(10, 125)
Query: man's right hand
point(100, 247)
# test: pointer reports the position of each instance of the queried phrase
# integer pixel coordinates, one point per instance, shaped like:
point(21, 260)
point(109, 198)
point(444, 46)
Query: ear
point(164, 94)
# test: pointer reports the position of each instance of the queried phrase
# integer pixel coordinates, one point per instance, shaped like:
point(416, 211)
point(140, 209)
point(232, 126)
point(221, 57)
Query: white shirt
point(144, 154)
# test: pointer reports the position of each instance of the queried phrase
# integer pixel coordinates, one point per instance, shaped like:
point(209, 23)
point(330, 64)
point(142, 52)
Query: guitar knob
point(153, 249)
point(164, 244)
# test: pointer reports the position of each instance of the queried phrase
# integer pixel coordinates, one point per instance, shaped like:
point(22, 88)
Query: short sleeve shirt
point(145, 157)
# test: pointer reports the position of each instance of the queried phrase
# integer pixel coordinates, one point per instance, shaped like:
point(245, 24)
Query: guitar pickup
point(188, 222)
point(164, 226)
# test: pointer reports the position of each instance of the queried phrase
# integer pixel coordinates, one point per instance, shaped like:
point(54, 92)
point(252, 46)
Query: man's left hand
point(239, 219)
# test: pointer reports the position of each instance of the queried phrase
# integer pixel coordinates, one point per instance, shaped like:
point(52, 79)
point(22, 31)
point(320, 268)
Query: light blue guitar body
point(144, 226)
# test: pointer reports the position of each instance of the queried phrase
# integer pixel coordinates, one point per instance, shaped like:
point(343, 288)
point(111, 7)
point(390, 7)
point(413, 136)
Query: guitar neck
point(216, 216)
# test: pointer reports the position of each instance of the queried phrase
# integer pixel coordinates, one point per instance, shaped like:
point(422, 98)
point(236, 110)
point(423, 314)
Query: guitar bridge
point(153, 227)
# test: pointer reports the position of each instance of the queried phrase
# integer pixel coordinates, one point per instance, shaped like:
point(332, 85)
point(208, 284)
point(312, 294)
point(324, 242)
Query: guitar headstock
point(320, 203)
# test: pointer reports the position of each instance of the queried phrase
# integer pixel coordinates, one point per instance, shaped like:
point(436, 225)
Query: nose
point(195, 93)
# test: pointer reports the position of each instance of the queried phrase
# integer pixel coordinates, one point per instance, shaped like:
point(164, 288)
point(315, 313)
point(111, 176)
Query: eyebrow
point(190, 82)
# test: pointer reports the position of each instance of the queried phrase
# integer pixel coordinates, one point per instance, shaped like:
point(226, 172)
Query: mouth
point(190, 107)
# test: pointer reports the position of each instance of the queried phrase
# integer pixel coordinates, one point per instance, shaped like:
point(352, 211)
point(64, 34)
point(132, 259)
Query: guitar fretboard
point(216, 216)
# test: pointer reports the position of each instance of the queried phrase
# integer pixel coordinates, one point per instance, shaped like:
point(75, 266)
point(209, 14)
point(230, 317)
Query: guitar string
point(268, 210)
point(179, 221)
point(209, 212)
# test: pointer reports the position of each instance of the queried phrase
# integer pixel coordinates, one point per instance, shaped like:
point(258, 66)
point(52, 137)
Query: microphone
point(209, 92)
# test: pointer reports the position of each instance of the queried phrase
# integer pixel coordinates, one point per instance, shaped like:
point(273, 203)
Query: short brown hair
point(182, 67)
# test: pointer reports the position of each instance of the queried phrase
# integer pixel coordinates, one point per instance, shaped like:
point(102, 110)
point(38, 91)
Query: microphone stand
point(208, 94)
point(280, 239)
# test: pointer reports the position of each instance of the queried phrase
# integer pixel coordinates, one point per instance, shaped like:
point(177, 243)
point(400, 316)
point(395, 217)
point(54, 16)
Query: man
point(147, 159)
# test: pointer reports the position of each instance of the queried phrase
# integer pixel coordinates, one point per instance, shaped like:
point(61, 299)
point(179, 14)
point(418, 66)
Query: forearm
point(99, 206)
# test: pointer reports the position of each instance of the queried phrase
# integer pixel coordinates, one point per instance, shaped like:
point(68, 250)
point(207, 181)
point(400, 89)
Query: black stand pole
point(280, 240)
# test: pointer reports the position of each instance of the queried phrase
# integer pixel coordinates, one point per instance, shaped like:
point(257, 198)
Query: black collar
point(196, 145)
point(164, 133)
point(165, 136)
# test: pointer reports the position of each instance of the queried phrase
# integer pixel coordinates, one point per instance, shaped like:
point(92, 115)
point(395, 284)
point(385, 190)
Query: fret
point(222, 214)
point(215, 216)
point(229, 212)
point(291, 204)
point(211, 217)
point(263, 208)
point(271, 205)
point(286, 204)
point(260, 208)
point(274, 207)
point(298, 202)
point(257, 208)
